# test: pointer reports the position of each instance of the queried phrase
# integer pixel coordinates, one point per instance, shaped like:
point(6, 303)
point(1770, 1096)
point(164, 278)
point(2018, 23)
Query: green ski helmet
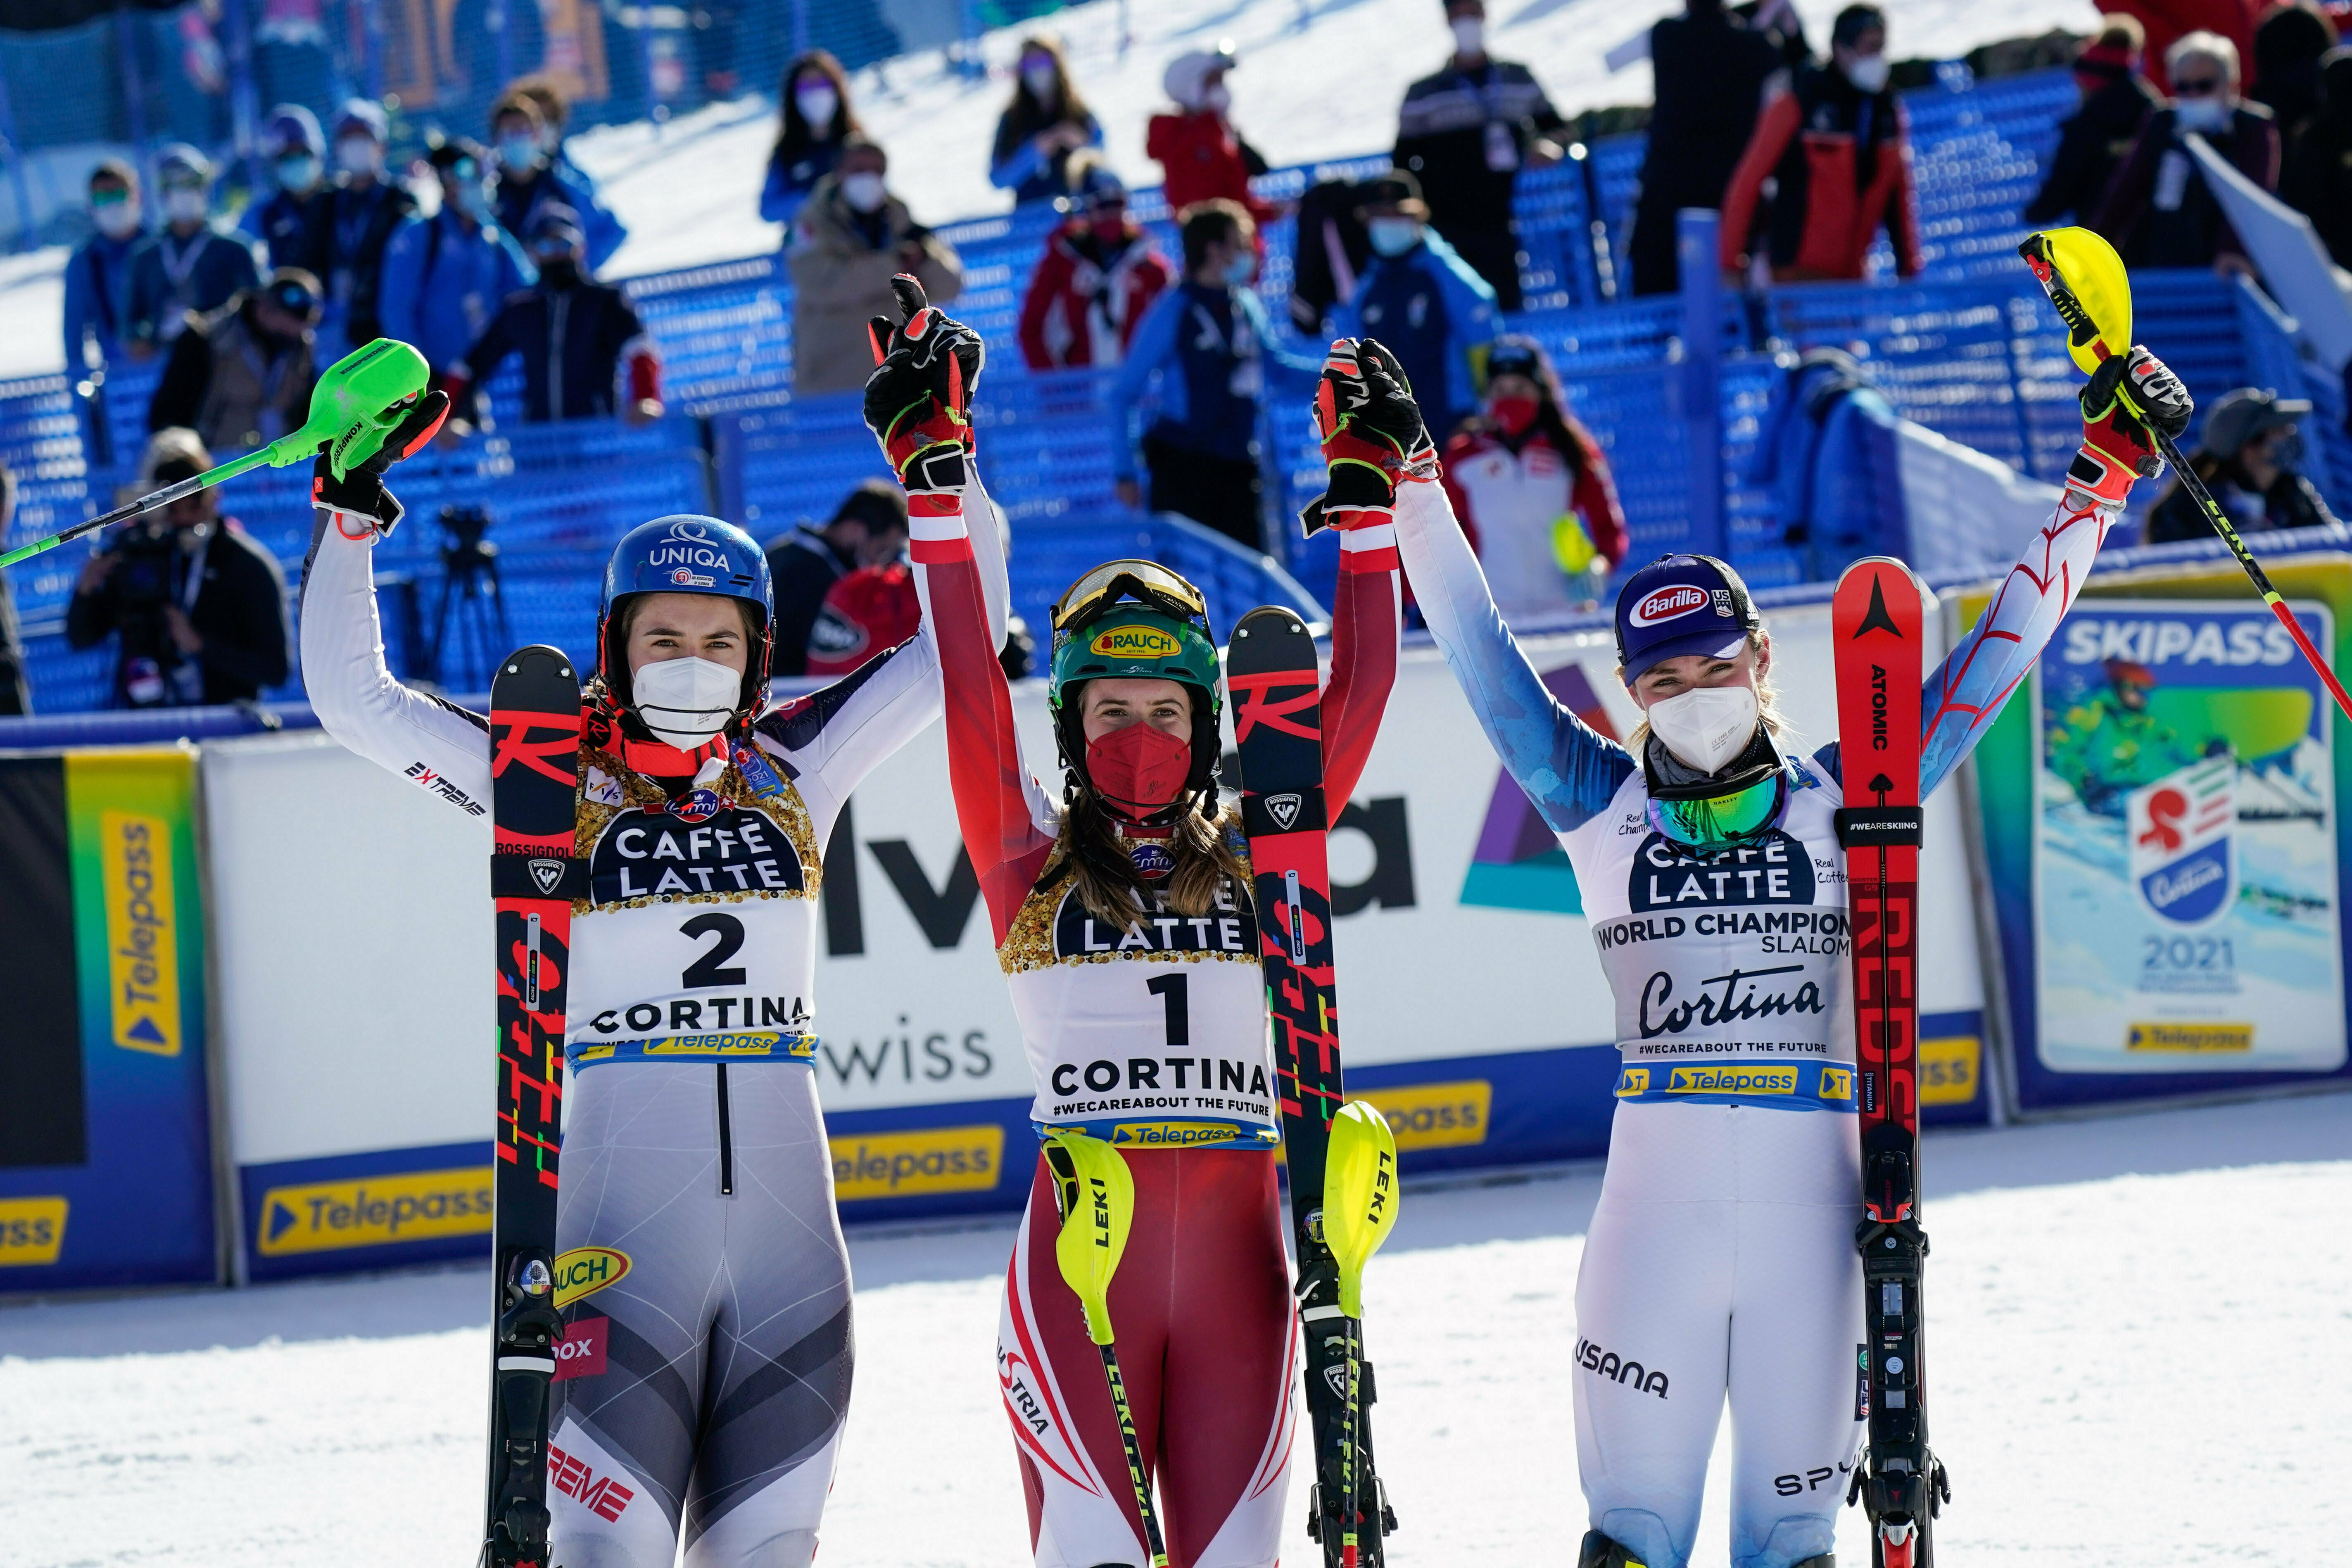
point(1135, 618)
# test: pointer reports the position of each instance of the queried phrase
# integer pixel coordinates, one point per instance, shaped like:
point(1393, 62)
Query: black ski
point(1277, 688)
point(534, 772)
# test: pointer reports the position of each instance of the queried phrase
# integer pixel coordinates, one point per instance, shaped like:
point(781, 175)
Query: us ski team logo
point(2179, 835)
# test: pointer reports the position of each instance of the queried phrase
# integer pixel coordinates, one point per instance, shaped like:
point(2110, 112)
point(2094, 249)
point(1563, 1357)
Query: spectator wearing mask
point(818, 120)
point(292, 222)
point(199, 608)
point(585, 354)
point(2248, 457)
point(1839, 147)
point(445, 276)
point(554, 121)
point(240, 376)
point(1710, 68)
point(529, 180)
point(2317, 178)
point(2290, 40)
point(97, 274)
point(364, 210)
point(1533, 491)
point(2158, 212)
point(868, 529)
point(1044, 123)
point(1464, 133)
point(1098, 277)
point(1201, 156)
point(2093, 141)
point(15, 692)
point(2166, 22)
point(872, 609)
point(1423, 303)
point(190, 265)
point(852, 237)
point(1205, 343)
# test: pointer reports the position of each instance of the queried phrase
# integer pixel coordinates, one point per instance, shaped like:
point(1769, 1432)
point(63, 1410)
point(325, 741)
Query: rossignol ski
point(1876, 621)
point(1276, 689)
point(534, 772)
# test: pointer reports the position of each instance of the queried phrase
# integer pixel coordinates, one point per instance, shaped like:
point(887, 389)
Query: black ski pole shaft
point(146, 503)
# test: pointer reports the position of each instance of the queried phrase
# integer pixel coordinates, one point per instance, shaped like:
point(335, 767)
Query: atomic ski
point(1278, 726)
point(534, 773)
point(1876, 623)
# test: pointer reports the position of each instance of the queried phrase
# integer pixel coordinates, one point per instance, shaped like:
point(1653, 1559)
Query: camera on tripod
point(142, 576)
point(469, 595)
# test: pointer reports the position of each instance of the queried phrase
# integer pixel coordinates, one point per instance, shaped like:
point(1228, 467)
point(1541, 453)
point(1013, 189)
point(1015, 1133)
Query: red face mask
point(1512, 416)
point(1139, 767)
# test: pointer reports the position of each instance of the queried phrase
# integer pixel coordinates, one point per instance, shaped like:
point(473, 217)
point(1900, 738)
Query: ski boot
point(1599, 1552)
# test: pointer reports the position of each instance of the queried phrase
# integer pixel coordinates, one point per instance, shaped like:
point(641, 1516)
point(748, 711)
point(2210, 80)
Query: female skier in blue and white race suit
point(1721, 1258)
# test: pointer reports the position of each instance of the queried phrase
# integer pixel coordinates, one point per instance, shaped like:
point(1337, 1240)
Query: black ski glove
point(2130, 399)
point(361, 493)
point(1372, 435)
point(919, 396)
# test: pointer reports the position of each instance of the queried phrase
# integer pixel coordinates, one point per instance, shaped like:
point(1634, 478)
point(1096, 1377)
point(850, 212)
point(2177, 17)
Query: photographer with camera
point(201, 608)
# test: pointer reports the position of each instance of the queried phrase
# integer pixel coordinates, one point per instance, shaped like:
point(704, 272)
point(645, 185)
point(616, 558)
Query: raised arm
point(1366, 617)
point(1964, 695)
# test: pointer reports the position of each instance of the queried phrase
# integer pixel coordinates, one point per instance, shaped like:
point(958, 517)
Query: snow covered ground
point(688, 191)
point(2139, 1339)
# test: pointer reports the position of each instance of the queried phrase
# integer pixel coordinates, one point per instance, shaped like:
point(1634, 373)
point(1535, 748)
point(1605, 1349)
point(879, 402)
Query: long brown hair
point(792, 132)
point(1201, 844)
point(1025, 116)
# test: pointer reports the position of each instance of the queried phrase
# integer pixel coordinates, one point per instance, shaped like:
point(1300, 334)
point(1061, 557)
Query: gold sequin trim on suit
point(1029, 941)
point(785, 809)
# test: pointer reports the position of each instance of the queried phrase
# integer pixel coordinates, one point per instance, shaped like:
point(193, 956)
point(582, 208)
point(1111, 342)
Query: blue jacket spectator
point(1828, 456)
point(97, 275)
point(293, 221)
point(364, 211)
point(445, 276)
point(529, 180)
point(190, 264)
point(1205, 341)
point(1044, 123)
point(817, 120)
point(574, 335)
point(1422, 302)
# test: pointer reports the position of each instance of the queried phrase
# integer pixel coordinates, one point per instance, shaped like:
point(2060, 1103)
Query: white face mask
point(299, 174)
point(184, 205)
point(1217, 99)
point(520, 153)
point(1707, 725)
point(2205, 115)
point(685, 702)
point(818, 103)
point(1469, 35)
point(1393, 235)
point(1039, 79)
point(1868, 72)
point(117, 220)
point(359, 155)
point(864, 192)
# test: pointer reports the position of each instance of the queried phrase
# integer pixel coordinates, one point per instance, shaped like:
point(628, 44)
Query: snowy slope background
point(2136, 1360)
point(690, 190)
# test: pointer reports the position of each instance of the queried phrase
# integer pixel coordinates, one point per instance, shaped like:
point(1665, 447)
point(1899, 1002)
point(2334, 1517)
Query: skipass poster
point(2177, 806)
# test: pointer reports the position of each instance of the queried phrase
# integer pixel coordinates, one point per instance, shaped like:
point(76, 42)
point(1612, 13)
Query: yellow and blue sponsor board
point(32, 1231)
point(377, 1210)
point(1788, 1086)
point(919, 1162)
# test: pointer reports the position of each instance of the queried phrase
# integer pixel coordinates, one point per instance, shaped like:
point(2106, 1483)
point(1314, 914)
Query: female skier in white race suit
point(1721, 1259)
point(704, 1390)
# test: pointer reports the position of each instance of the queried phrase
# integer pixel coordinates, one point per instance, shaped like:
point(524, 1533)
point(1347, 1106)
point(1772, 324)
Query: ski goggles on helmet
point(1144, 581)
point(1719, 813)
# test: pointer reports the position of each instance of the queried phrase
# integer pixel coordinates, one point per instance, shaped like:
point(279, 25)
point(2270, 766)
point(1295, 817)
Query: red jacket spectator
point(1202, 154)
point(1509, 497)
point(1098, 277)
point(1088, 294)
point(870, 609)
point(1842, 161)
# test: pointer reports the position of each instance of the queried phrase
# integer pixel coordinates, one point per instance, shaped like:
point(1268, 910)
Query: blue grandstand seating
point(1969, 349)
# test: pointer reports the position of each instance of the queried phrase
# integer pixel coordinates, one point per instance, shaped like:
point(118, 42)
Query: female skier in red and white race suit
point(704, 1388)
point(1721, 1261)
point(1123, 923)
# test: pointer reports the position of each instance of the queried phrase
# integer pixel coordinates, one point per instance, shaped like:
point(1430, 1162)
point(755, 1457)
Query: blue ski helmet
point(685, 554)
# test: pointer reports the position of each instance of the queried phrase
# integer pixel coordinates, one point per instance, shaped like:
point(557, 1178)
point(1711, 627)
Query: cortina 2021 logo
point(1666, 604)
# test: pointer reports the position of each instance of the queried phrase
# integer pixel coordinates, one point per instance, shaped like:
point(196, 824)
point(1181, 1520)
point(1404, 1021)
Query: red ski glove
point(2130, 399)
point(1373, 438)
point(917, 399)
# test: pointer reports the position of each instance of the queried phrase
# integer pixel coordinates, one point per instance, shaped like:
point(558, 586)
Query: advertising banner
point(106, 1171)
point(2160, 807)
point(1472, 1006)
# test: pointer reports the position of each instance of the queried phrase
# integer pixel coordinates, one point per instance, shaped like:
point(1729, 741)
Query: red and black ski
point(1277, 693)
point(1877, 621)
point(534, 772)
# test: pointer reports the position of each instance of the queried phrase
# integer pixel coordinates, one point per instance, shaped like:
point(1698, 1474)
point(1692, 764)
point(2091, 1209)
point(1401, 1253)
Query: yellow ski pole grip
point(1359, 1194)
point(1098, 1200)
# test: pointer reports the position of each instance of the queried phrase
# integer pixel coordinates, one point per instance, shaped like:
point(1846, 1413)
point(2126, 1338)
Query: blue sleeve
point(1017, 167)
point(1154, 343)
point(396, 286)
point(1472, 322)
point(1348, 314)
point(248, 222)
point(1570, 771)
point(77, 307)
point(517, 272)
point(1278, 359)
point(778, 199)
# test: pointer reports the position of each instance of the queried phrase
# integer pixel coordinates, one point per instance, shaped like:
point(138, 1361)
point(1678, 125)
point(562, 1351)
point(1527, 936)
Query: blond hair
point(1090, 851)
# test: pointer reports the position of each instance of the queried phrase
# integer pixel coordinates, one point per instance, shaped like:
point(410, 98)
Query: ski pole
point(2091, 294)
point(357, 403)
point(1097, 1203)
point(1360, 1209)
